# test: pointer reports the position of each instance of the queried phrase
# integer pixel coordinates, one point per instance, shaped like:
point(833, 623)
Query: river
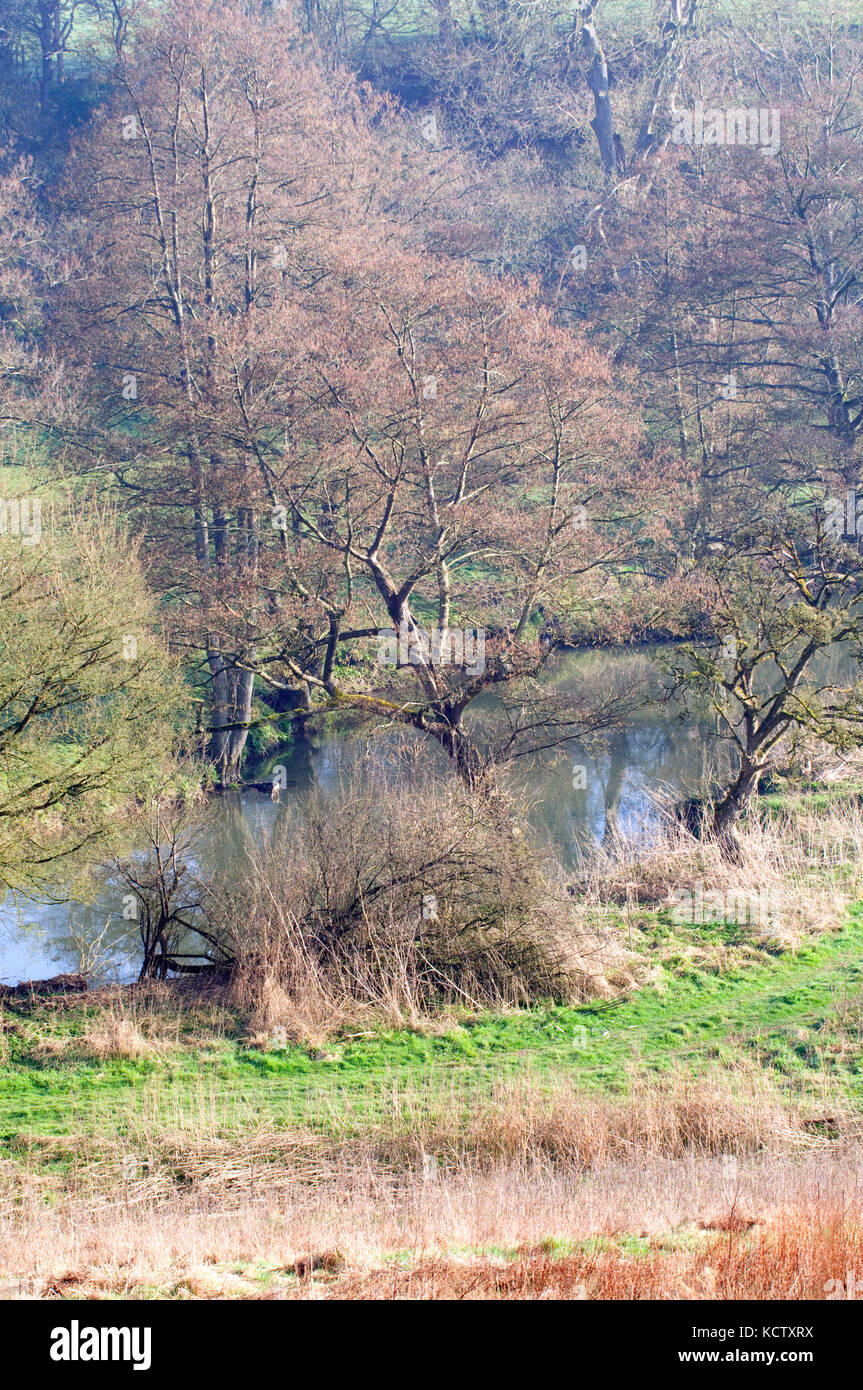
point(577, 795)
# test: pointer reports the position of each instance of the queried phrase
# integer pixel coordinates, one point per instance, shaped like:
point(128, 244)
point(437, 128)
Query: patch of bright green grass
point(797, 1016)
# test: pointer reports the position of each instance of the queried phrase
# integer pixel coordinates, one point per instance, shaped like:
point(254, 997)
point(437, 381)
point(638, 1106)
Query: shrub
point(402, 892)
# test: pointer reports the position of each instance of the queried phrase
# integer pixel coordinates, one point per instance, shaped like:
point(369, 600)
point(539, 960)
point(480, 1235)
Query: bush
point(402, 892)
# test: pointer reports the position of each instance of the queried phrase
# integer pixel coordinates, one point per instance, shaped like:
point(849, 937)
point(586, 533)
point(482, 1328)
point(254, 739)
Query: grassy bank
point(89, 1065)
point(680, 1138)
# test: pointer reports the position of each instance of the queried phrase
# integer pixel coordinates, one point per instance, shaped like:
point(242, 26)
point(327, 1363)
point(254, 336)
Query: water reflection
point(658, 753)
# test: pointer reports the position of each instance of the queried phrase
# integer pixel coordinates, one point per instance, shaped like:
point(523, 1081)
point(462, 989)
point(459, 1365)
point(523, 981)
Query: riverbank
point(107, 1064)
point(149, 1147)
point(161, 1140)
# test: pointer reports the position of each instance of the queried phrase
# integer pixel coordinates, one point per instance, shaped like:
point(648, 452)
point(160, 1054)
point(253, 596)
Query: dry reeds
point(801, 867)
point(641, 1225)
point(395, 898)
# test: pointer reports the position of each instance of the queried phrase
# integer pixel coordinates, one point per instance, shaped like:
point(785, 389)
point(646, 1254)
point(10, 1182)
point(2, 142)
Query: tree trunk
point(443, 9)
point(244, 691)
point(730, 808)
point(597, 78)
point(470, 766)
point(233, 691)
point(669, 68)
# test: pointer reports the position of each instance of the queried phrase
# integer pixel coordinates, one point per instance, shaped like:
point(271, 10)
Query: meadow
point(697, 1135)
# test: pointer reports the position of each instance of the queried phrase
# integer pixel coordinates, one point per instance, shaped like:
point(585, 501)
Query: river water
point(578, 795)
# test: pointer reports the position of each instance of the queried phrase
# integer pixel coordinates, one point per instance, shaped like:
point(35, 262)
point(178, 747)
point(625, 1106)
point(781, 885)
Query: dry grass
point(392, 898)
point(640, 1227)
point(802, 1252)
point(523, 1122)
point(801, 869)
point(117, 1037)
point(125, 1023)
point(558, 1123)
point(196, 1144)
point(709, 1189)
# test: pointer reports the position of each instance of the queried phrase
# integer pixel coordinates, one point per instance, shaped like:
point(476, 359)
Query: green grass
point(845, 793)
point(797, 1016)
